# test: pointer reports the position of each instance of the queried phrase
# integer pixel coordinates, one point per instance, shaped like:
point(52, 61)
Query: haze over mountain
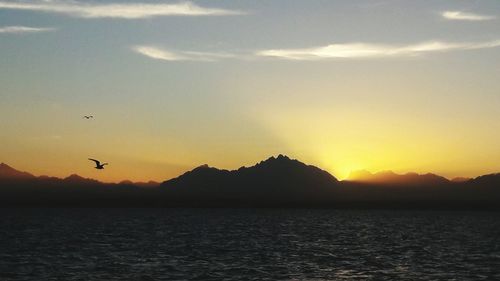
point(275, 182)
point(460, 179)
point(389, 177)
point(140, 184)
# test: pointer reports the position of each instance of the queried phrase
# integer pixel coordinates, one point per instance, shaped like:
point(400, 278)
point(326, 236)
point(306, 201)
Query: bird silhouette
point(98, 164)
point(88, 116)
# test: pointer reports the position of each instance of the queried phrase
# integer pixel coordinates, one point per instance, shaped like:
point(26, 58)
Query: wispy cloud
point(157, 53)
point(459, 15)
point(24, 29)
point(333, 51)
point(168, 55)
point(116, 10)
point(366, 50)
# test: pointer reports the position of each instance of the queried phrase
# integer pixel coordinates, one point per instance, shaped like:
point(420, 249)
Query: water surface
point(248, 244)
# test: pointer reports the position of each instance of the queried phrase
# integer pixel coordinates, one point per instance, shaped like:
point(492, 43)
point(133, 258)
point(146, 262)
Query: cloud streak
point(458, 15)
point(366, 50)
point(329, 52)
point(117, 10)
point(168, 55)
point(24, 29)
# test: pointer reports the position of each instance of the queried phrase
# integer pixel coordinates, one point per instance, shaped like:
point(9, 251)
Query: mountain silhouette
point(277, 179)
point(460, 179)
point(275, 182)
point(391, 178)
point(7, 172)
point(148, 184)
point(75, 179)
point(490, 180)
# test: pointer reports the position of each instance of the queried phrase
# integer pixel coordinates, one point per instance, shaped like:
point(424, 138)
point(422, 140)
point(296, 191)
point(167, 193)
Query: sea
point(248, 244)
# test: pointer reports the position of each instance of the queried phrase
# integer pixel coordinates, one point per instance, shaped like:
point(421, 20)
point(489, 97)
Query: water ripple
point(247, 244)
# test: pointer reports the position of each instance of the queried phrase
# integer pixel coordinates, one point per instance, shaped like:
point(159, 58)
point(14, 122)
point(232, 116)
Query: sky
point(343, 85)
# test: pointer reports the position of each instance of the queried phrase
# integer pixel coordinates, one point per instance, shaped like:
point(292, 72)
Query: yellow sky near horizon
point(408, 86)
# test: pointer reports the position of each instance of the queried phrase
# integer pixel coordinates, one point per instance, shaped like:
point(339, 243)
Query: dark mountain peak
point(7, 172)
point(488, 180)
point(204, 169)
point(494, 175)
point(76, 179)
point(282, 157)
point(280, 160)
point(285, 164)
point(279, 178)
point(5, 167)
point(435, 177)
point(200, 173)
point(201, 167)
point(270, 159)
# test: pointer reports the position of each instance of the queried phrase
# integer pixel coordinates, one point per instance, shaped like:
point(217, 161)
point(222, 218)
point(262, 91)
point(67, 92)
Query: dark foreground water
point(245, 244)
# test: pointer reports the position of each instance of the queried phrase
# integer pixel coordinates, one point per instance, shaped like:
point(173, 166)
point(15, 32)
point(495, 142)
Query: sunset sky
point(343, 85)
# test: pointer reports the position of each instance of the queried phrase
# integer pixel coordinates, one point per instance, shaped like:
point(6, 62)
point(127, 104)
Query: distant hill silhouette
point(141, 184)
point(491, 180)
point(391, 178)
point(275, 182)
point(460, 179)
point(7, 172)
point(75, 179)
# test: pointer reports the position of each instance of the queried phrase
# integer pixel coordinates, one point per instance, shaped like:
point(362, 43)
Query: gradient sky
point(344, 85)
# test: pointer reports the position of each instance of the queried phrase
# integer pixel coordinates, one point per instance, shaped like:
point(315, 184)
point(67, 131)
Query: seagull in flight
point(98, 164)
point(88, 116)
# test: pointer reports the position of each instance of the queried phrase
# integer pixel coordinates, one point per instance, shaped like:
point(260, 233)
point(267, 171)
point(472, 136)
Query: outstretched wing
point(96, 161)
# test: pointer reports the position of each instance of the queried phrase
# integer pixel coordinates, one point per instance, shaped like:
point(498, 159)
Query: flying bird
point(88, 116)
point(98, 164)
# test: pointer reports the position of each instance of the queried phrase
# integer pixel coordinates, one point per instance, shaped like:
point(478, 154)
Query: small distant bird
point(98, 164)
point(88, 116)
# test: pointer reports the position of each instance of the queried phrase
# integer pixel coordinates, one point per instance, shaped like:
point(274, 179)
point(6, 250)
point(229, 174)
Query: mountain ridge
point(390, 177)
point(7, 171)
point(363, 176)
point(273, 182)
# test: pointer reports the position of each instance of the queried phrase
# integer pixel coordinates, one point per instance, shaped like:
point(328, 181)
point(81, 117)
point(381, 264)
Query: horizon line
point(346, 179)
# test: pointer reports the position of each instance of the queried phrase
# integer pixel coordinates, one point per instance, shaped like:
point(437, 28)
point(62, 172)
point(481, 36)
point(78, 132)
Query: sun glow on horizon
point(343, 85)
